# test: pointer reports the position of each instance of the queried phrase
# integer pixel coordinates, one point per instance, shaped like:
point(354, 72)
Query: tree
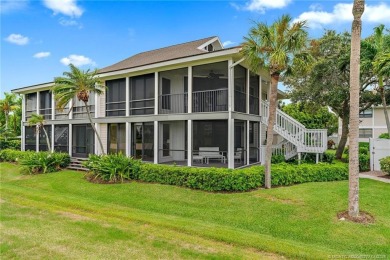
point(7, 105)
point(327, 80)
point(276, 47)
point(376, 56)
point(353, 195)
point(39, 122)
point(312, 116)
point(78, 83)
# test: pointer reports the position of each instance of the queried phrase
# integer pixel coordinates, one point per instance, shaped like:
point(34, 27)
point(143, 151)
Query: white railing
point(210, 100)
point(305, 140)
point(173, 103)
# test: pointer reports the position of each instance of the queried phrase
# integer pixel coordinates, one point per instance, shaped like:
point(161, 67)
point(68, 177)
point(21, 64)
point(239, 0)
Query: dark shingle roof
point(159, 55)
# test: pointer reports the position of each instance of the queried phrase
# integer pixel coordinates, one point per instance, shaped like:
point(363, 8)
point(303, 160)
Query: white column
point(97, 104)
point(52, 137)
point(22, 127)
point(38, 102)
point(70, 140)
point(189, 142)
point(127, 97)
point(260, 113)
point(155, 142)
point(128, 139)
point(53, 107)
point(71, 109)
point(230, 154)
point(230, 86)
point(247, 142)
point(189, 84)
point(155, 94)
point(23, 143)
point(247, 90)
point(23, 108)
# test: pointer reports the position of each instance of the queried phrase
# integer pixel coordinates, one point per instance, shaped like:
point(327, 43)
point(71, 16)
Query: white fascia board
point(201, 47)
point(205, 56)
point(34, 88)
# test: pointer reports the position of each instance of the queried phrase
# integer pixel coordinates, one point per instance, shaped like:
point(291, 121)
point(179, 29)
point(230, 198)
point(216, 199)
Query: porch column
point(155, 95)
point(127, 99)
point(189, 89)
point(53, 107)
point(52, 137)
point(37, 133)
point(38, 102)
point(247, 142)
point(70, 140)
point(230, 87)
point(23, 143)
point(189, 142)
point(22, 130)
point(128, 139)
point(260, 113)
point(155, 145)
point(97, 104)
point(230, 154)
point(247, 91)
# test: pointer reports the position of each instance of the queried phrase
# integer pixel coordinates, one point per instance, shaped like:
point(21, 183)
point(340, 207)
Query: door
point(166, 140)
point(143, 141)
point(83, 142)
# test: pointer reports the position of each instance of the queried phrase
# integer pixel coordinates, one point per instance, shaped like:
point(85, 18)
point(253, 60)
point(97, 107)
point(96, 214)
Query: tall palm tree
point(277, 48)
point(7, 105)
point(376, 56)
point(354, 88)
point(78, 83)
point(39, 122)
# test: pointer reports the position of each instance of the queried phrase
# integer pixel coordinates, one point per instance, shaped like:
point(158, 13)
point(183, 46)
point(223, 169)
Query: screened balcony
point(31, 104)
point(45, 104)
point(173, 88)
point(79, 109)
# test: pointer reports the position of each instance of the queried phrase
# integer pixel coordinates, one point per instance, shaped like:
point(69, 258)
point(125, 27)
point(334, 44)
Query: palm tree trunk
point(270, 128)
point(354, 88)
point(93, 127)
point(47, 139)
point(383, 97)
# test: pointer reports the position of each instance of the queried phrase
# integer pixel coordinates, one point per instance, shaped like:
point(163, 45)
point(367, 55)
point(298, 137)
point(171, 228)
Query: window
point(79, 110)
point(45, 104)
point(365, 133)
point(254, 94)
point(61, 138)
point(31, 104)
point(142, 95)
point(366, 113)
point(239, 89)
point(117, 138)
point(42, 138)
point(143, 141)
point(116, 97)
point(166, 91)
point(30, 138)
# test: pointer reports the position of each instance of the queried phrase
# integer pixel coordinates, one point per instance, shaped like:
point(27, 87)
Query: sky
point(39, 38)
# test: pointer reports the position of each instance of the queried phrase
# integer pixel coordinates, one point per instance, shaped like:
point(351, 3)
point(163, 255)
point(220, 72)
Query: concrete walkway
point(367, 176)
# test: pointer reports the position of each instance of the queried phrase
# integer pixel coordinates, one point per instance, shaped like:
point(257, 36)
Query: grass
point(60, 215)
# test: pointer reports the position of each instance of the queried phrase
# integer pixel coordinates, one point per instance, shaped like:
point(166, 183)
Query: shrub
point(14, 144)
point(113, 167)
point(278, 158)
point(328, 157)
point(384, 136)
point(44, 162)
point(10, 155)
point(364, 162)
point(385, 164)
point(363, 150)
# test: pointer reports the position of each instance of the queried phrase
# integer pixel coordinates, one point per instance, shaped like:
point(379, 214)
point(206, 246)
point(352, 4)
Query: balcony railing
point(210, 100)
point(173, 103)
point(81, 111)
point(46, 112)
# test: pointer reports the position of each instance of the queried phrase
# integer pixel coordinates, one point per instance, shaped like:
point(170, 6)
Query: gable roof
point(164, 54)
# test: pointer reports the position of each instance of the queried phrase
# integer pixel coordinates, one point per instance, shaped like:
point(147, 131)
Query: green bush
point(14, 144)
point(364, 150)
point(113, 167)
point(364, 144)
point(328, 157)
point(364, 162)
point(10, 155)
point(384, 136)
point(44, 162)
point(278, 158)
point(385, 164)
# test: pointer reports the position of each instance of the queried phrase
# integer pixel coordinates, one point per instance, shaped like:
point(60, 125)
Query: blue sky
point(39, 38)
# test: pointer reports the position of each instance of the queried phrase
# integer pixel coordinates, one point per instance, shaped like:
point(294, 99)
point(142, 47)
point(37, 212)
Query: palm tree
point(7, 105)
point(376, 56)
point(78, 83)
point(39, 122)
point(354, 88)
point(277, 48)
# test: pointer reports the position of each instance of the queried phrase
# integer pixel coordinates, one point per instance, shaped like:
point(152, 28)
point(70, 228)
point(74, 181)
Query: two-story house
point(194, 104)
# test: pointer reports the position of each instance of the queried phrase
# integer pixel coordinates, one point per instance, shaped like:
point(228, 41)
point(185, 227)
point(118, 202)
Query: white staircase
point(302, 140)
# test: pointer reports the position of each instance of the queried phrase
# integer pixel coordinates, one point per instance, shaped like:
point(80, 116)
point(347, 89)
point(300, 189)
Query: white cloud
point(17, 39)
point(40, 55)
point(227, 43)
point(262, 5)
point(69, 22)
point(65, 7)
point(7, 6)
point(343, 13)
point(77, 60)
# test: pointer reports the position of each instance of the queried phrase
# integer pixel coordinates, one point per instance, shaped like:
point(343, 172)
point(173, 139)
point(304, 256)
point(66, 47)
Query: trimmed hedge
point(385, 164)
point(10, 144)
point(10, 155)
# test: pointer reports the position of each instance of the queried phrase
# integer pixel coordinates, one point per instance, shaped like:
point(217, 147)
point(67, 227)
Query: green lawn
point(60, 215)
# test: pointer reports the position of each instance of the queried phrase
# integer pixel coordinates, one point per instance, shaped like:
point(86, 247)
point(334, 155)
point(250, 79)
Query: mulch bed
point(363, 218)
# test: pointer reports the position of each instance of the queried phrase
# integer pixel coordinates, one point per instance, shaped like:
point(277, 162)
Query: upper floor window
point(31, 104)
point(366, 113)
point(142, 95)
point(254, 94)
point(365, 133)
point(116, 97)
point(239, 89)
point(45, 104)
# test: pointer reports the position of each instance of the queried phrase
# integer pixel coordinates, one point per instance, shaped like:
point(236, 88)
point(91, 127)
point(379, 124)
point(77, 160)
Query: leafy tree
point(7, 106)
point(276, 47)
point(376, 57)
point(353, 195)
point(327, 81)
point(78, 83)
point(312, 116)
point(39, 122)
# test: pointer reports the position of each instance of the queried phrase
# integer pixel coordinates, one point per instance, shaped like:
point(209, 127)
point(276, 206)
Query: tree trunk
point(354, 89)
point(93, 127)
point(343, 137)
point(383, 97)
point(270, 128)
point(47, 139)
